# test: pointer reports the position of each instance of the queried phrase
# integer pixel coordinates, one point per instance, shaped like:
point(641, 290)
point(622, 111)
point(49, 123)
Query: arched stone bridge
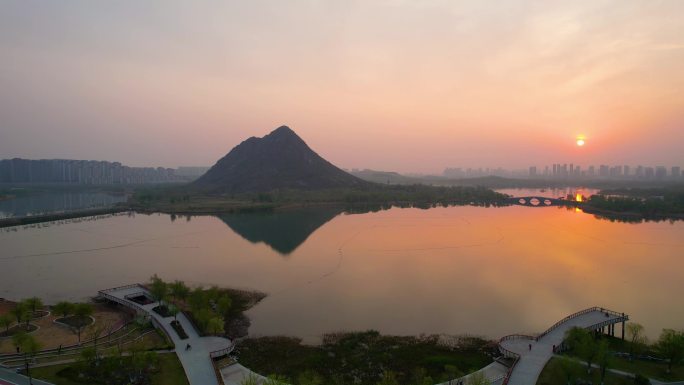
point(539, 201)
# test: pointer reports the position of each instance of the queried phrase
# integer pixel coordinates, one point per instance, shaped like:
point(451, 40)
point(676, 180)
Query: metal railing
point(580, 313)
point(222, 352)
point(123, 302)
point(511, 354)
point(216, 354)
point(106, 339)
point(121, 288)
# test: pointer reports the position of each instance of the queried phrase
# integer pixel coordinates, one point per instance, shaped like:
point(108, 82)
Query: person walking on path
point(530, 347)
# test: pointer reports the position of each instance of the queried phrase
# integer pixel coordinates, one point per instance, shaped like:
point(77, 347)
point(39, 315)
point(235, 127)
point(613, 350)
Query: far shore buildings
point(89, 172)
point(570, 171)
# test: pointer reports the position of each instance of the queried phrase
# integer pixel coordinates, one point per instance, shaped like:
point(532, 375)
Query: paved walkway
point(196, 361)
point(533, 361)
point(494, 372)
point(234, 374)
point(10, 377)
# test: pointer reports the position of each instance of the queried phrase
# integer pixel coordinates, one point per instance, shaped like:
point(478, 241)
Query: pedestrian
point(530, 347)
point(60, 349)
point(554, 349)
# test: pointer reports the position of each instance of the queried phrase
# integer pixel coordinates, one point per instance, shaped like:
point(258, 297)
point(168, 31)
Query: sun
point(580, 141)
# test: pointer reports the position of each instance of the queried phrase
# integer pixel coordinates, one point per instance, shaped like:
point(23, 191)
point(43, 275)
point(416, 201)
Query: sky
point(410, 86)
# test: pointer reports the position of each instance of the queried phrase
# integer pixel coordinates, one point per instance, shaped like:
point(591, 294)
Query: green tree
point(213, 293)
point(223, 305)
point(174, 310)
point(275, 379)
point(18, 339)
point(158, 288)
point(635, 333)
point(63, 308)
point(82, 312)
point(603, 358)
point(420, 377)
point(451, 372)
point(94, 333)
point(19, 312)
point(670, 345)
point(6, 322)
point(569, 367)
point(215, 325)
point(309, 378)
point(87, 356)
point(478, 378)
point(583, 343)
point(388, 378)
point(198, 300)
point(30, 347)
point(179, 291)
point(202, 317)
point(33, 303)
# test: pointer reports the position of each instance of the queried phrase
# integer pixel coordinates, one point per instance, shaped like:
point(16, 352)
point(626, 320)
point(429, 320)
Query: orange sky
point(394, 85)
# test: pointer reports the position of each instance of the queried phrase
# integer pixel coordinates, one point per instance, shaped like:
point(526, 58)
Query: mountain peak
point(279, 160)
point(283, 130)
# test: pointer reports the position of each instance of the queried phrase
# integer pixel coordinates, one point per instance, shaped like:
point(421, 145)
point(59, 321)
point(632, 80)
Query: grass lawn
point(170, 373)
point(651, 369)
point(556, 372)
point(656, 370)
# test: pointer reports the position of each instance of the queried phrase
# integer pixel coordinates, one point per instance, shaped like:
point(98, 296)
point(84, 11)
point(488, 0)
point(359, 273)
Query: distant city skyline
point(79, 171)
point(391, 85)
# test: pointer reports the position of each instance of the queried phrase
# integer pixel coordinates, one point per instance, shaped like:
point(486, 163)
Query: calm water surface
point(52, 202)
point(485, 271)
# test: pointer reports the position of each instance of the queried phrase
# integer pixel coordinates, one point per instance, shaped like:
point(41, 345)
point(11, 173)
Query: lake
point(55, 202)
point(455, 270)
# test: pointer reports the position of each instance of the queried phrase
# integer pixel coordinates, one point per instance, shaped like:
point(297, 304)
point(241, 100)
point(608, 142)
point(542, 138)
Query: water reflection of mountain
point(284, 231)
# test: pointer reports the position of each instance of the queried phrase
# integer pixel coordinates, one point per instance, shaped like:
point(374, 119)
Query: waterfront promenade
point(530, 354)
point(196, 362)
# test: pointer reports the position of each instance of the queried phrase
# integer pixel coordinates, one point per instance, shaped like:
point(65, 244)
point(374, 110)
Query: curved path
point(196, 362)
point(531, 361)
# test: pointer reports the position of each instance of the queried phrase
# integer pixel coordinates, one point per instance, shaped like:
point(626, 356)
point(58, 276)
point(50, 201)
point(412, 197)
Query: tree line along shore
point(624, 204)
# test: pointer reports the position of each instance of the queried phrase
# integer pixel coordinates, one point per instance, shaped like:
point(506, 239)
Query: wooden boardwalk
point(529, 362)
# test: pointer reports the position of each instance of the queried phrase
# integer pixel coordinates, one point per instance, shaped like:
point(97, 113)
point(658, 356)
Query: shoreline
point(627, 216)
point(34, 219)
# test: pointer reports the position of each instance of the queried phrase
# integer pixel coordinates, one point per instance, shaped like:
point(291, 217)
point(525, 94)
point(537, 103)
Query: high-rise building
point(676, 172)
point(649, 172)
point(639, 172)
